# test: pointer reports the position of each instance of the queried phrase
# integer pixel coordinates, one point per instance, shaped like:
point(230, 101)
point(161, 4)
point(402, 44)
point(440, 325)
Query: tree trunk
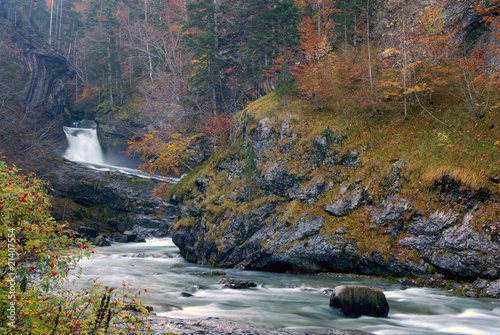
point(51, 17)
point(372, 90)
point(110, 74)
point(59, 32)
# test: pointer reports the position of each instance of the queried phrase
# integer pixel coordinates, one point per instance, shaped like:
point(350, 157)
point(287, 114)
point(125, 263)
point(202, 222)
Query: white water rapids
point(282, 300)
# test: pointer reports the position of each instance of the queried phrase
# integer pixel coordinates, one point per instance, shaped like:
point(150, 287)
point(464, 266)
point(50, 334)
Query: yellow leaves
point(162, 155)
point(388, 53)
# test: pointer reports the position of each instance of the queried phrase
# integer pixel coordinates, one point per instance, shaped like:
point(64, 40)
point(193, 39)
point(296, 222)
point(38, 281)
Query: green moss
point(184, 222)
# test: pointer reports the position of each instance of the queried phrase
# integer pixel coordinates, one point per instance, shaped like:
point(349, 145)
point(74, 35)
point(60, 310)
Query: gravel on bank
point(165, 325)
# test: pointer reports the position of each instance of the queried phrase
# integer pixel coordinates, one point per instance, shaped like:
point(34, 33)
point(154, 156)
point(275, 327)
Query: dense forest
point(193, 64)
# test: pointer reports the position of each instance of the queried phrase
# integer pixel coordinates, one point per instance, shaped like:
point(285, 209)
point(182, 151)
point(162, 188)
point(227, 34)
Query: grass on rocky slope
point(468, 150)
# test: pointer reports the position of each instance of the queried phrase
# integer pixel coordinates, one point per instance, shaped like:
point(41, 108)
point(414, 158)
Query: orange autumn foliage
point(162, 155)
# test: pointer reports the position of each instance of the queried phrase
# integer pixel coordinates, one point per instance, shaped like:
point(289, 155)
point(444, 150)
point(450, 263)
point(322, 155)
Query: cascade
point(83, 146)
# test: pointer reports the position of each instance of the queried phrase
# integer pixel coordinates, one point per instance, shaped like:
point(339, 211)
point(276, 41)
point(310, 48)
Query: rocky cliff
point(42, 72)
point(33, 81)
point(109, 202)
point(291, 197)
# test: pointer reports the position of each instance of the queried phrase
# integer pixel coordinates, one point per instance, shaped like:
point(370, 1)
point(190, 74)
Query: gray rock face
point(454, 248)
point(355, 301)
point(343, 206)
point(389, 212)
point(268, 235)
point(44, 73)
point(123, 201)
point(276, 180)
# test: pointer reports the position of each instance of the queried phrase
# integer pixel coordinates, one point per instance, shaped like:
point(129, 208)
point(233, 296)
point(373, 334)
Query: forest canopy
point(188, 66)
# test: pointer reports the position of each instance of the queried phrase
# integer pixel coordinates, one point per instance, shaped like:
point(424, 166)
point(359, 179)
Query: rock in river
point(354, 301)
point(237, 283)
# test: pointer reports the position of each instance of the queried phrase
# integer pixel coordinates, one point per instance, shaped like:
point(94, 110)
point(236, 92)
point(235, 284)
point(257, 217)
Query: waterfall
point(84, 145)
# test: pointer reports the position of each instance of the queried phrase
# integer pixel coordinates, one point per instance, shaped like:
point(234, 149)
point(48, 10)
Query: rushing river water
point(282, 300)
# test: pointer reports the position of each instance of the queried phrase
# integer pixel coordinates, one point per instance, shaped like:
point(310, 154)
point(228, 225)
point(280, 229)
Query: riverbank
point(162, 325)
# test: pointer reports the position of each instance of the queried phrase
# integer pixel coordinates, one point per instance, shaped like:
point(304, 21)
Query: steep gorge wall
point(43, 73)
point(33, 91)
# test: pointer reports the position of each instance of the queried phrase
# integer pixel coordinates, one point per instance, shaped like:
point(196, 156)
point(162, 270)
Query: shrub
point(37, 254)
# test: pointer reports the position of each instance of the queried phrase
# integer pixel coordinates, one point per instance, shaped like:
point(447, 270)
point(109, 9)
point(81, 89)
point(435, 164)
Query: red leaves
point(215, 126)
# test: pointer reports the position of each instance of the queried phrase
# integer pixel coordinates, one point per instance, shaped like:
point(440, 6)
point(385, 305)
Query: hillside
point(304, 190)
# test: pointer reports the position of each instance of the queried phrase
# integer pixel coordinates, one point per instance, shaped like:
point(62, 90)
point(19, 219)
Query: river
point(281, 300)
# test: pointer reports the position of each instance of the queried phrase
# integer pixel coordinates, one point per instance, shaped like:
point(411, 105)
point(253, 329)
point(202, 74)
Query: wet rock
point(88, 232)
point(237, 283)
point(119, 237)
point(101, 241)
point(132, 236)
point(355, 301)
point(87, 124)
point(480, 284)
point(135, 308)
point(406, 282)
point(177, 266)
point(186, 295)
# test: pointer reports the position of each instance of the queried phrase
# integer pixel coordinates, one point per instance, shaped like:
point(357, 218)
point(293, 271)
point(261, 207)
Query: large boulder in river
point(354, 301)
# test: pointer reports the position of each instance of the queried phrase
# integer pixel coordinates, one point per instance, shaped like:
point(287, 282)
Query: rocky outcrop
point(355, 301)
point(44, 72)
point(461, 17)
point(302, 209)
point(110, 202)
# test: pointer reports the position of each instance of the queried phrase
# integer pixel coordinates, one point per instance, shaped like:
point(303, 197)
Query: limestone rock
point(342, 206)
